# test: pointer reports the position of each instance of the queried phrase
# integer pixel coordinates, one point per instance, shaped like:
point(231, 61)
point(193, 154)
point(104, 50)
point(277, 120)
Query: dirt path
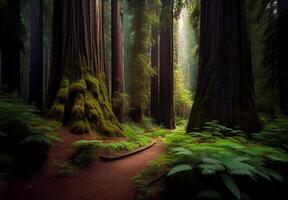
point(99, 181)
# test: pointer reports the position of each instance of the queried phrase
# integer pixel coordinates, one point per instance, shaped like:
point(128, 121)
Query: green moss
point(63, 95)
point(92, 106)
point(78, 87)
point(78, 110)
point(64, 83)
point(109, 129)
point(81, 127)
point(88, 107)
point(57, 110)
point(86, 152)
point(92, 83)
point(93, 114)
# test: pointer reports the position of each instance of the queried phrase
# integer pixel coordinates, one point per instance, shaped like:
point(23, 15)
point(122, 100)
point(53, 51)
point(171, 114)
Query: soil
point(111, 180)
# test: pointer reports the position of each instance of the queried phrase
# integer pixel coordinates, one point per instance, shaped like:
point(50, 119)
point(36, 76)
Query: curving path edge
point(99, 181)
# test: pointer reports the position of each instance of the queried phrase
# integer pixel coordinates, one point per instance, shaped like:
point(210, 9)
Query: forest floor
point(110, 180)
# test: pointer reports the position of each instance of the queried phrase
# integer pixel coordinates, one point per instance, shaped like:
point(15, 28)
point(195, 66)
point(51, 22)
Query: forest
point(143, 99)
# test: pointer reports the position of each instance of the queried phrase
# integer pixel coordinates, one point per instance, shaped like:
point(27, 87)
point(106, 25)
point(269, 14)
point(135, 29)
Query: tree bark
point(11, 47)
point(36, 68)
point(225, 90)
point(283, 54)
point(117, 59)
point(166, 101)
point(140, 61)
point(82, 99)
point(56, 70)
point(155, 78)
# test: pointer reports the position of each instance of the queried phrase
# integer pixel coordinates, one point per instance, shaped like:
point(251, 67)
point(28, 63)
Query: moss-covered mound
point(84, 104)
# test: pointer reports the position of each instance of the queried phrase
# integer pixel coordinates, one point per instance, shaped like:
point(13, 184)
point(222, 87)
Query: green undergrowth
point(219, 162)
point(24, 131)
point(25, 137)
point(87, 151)
point(274, 133)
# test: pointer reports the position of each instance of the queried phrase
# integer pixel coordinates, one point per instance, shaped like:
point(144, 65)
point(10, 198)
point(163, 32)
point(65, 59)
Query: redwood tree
point(155, 64)
point(166, 101)
point(56, 70)
point(225, 89)
point(11, 45)
point(140, 68)
point(283, 53)
point(78, 64)
point(36, 68)
point(117, 59)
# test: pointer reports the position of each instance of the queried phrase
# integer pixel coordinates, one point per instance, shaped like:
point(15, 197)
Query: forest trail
point(99, 181)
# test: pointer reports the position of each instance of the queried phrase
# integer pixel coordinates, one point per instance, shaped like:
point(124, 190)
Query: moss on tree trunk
point(78, 50)
point(84, 104)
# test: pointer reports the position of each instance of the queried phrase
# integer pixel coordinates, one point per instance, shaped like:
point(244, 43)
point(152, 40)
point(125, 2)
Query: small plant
point(66, 169)
point(86, 152)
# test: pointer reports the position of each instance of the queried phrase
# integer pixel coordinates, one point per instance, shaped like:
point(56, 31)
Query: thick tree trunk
point(56, 70)
point(166, 101)
point(140, 61)
point(82, 99)
point(10, 74)
point(225, 89)
point(117, 59)
point(36, 68)
point(155, 78)
point(283, 53)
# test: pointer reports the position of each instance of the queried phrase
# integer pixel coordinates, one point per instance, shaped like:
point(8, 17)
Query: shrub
point(26, 134)
point(86, 152)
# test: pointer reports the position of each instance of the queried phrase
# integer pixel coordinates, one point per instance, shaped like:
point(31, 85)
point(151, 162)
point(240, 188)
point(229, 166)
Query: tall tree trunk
point(56, 70)
point(140, 60)
point(82, 99)
point(155, 78)
point(225, 90)
point(11, 49)
point(36, 68)
point(166, 101)
point(117, 60)
point(283, 53)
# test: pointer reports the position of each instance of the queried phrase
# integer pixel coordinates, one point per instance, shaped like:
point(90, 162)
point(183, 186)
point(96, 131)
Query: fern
point(232, 186)
point(216, 150)
point(25, 131)
point(43, 139)
point(19, 120)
